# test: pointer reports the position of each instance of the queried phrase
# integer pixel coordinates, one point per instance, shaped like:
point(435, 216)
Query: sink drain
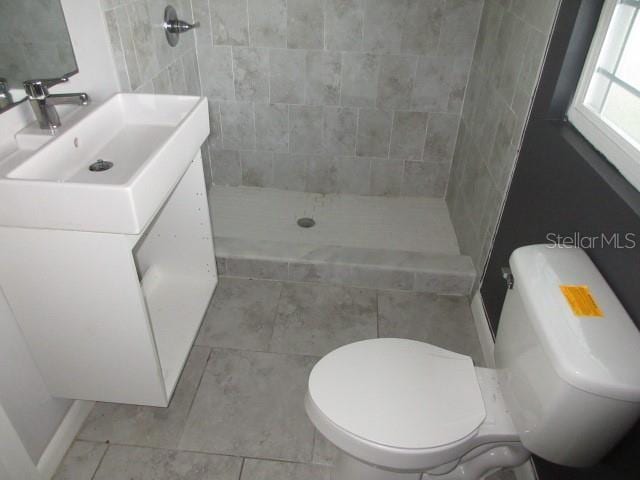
point(100, 166)
point(306, 222)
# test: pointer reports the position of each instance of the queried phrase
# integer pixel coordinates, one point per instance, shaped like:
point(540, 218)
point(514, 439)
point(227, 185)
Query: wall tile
point(408, 135)
point(422, 26)
point(229, 22)
point(215, 126)
point(460, 27)
point(143, 39)
point(268, 23)
point(353, 175)
point(176, 74)
point(226, 168)
point(395, 83)
point(257, 169)
point(238, 130)
point(128, 47)
point(191, 74)
point(374, 132)
point(216, 69)
point(305, 124)
point(322, 174)
point(458, 83)
point(162, 83)
point(386, 177)
point(340, 126)
point(383, 25)
point(432, 84)
point(344, 22)
point(289, 172)
point(323, 72)
point(272, 127)
point(287, 76)
point(425, 179)
point(360, 79)
point(305, 24)
point(508, 77)
point(441, 137)
point(116, 47)
point(250, 70)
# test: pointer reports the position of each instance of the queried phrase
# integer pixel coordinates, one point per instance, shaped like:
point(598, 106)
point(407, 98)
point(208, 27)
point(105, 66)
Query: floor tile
point(315, 319)
point(148, 426)
point(324, 452)
point(251, 404)
point(241, 314)
point(81, 461)
point(268, 470)
point(440, 320)
point(136, 463)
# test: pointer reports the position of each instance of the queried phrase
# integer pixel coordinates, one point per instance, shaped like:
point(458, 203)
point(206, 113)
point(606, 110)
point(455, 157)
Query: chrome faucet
point(5, 95)
point(44, 103)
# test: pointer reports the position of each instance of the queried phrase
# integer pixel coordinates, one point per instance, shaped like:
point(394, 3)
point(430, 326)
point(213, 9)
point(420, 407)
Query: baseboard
point(63, 438)
point(526, 471)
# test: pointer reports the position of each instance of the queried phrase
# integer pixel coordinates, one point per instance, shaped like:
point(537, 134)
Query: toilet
point(566, 386)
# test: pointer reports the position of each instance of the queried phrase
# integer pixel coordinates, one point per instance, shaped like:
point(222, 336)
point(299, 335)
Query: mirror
point(34, 43)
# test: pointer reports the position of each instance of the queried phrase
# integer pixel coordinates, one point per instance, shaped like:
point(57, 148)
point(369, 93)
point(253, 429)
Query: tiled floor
point(237, 413)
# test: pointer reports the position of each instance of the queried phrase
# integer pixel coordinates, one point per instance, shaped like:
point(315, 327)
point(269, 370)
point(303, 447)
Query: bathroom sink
point(138, 146)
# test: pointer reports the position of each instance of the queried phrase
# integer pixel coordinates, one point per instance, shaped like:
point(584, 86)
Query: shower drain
point(306, 222)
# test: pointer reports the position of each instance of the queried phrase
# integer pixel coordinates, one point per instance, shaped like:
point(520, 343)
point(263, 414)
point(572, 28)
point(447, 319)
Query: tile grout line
point(104, 454)
point(241, 468)
point(197, 389)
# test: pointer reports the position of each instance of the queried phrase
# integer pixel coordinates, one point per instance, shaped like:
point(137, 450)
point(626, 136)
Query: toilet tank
point(568, 357)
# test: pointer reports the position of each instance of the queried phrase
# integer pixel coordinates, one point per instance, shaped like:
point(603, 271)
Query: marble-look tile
point(344, 20)
point(539, 14)
point(360, 79)
point(353, 175)
point(135, 463)
point(324, 452)
point(268, 23)
point(272, 128)
point(340, 126)
point(148, 426)
point(374, 132)
point(432, 85)
point(287, 76)
point(226, 168)
point(305, 125)
point(191, 74)
point(408, 135)
point(143, 39)
point(238, 126)
point(257, 168)
point(444, 283)
point(383, 25)
point(289, 172)
point(395, 83)
point(425, 179)
point(221, 265)
point(116, 47)
point(315, 319)
point(81, 461)
point(335, 273)
point(322, 174)
point(459, 27)
point(458, 80)
point(128, 46)
point(241, 314)
point(514, 59)
point(206, 165)
point(323, 72)
point(257, 269)
point(441, 137)
point(386, 177)
point(178, 82)
point(440, 320)
point(251, 77)
point(162, 83)
point(305, 24)
point(381, 278)
point(216, 68)
point(252, 404)
point(270, 470)
point(229, 22)
point(422, 26)
point(215, 127)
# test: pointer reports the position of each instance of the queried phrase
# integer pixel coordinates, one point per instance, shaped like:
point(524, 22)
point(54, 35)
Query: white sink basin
point(150, 139)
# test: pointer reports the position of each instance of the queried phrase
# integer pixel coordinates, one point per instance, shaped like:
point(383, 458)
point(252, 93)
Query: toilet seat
point(396, 398)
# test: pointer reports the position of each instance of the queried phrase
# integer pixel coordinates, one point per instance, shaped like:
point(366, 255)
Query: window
point(606, 107)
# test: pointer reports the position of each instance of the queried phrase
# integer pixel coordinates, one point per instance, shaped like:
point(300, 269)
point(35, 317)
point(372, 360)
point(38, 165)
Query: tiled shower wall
point(350, 96)
point(510, 49)
point(144, 60)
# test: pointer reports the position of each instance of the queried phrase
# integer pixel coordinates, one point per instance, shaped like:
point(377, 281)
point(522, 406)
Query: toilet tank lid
point(597, 354)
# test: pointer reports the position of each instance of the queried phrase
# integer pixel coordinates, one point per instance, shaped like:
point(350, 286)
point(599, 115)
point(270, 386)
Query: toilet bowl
point(565, 386)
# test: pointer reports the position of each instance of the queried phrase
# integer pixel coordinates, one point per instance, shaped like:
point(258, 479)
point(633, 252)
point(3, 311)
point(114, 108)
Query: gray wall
point(353, 96)
point(511, 44)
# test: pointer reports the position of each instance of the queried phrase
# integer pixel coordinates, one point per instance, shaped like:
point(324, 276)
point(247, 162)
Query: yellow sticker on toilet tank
point(581, 301)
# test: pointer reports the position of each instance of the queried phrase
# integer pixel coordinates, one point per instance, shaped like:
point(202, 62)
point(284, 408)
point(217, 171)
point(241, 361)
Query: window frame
point(620, 151)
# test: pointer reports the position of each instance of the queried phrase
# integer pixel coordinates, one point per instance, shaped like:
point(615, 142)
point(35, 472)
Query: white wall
point(34, 414)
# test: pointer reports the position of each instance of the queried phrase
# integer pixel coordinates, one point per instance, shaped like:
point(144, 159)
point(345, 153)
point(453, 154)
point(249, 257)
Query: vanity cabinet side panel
point(77, 300)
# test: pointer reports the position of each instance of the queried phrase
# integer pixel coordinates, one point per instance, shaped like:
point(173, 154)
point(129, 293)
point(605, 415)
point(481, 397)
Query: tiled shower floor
point(237, 412)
